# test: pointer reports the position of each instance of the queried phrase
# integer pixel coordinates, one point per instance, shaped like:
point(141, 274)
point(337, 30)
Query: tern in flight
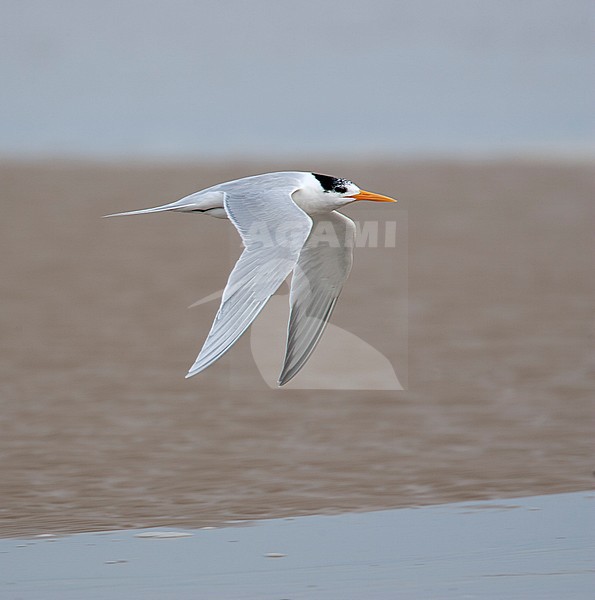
point(288, 222)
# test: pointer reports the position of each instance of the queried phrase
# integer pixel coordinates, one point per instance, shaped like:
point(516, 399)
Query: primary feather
point(321, 271)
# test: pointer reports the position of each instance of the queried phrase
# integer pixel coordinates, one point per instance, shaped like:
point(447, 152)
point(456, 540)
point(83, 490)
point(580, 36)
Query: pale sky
point(182, 78)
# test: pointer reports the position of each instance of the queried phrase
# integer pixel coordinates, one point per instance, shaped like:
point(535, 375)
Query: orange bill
point(363, 195)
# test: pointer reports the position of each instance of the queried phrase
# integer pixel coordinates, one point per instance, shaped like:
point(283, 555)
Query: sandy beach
point(99, 430)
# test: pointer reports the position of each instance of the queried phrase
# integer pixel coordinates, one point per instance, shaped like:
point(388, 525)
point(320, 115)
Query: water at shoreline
point(532, 548)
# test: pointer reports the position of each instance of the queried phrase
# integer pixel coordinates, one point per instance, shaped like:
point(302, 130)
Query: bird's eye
point(340, 189)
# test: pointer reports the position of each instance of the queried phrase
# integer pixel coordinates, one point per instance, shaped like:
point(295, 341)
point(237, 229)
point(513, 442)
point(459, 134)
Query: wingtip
point(284, 378)
point(193, 371)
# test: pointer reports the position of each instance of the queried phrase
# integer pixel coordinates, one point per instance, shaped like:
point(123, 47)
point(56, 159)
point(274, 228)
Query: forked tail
point(200, 201)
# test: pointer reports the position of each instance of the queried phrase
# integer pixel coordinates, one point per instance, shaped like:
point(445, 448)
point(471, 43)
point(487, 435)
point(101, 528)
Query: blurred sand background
point(99, 429)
